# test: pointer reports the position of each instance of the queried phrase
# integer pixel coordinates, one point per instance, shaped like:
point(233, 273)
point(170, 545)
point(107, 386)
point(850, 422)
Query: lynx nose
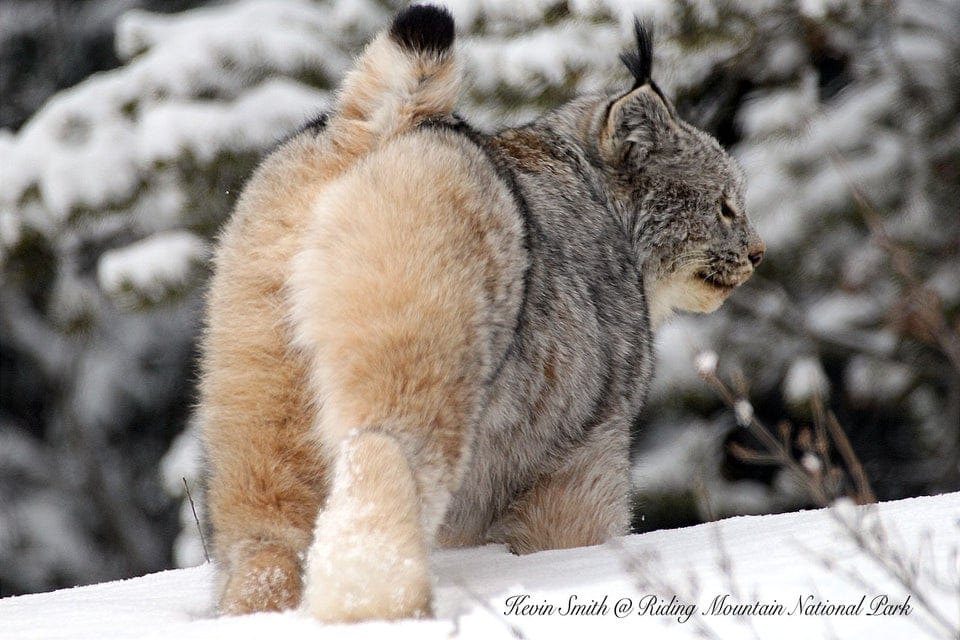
point(756, 253)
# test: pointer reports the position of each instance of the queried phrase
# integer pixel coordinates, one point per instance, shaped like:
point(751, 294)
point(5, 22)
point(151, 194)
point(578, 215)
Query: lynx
point(420, 335)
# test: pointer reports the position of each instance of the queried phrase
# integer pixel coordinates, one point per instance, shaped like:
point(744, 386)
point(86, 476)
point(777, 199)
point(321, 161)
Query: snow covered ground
point(665, 584)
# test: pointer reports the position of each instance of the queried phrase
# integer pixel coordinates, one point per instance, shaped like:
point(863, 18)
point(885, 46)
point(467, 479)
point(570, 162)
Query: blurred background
point(128, 127)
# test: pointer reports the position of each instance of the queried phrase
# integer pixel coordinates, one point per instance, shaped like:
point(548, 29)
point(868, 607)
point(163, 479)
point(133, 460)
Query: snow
point(678, 344)
point(805, 380)
point(527, 64)
point(625, 10)
point(90, 145)
point(205, 129)
point(744, 412)
point(182, 464)
point(772, 112)
point(839, 310)
point(151, 267)
point(679, 463)
point(783, 208)
point(815, 8)
point(665, 467)
point(867, 378)
point(466, 12)
point(795, 560)
point(706, 363)
point(945, 282)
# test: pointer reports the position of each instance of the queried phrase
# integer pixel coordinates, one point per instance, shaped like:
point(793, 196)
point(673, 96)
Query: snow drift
point(797, 575)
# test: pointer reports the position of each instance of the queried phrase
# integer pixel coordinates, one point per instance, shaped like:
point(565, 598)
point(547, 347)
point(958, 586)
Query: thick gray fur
point(612, 203)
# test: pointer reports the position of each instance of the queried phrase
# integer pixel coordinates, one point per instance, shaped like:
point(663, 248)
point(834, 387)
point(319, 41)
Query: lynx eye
point(727, 212)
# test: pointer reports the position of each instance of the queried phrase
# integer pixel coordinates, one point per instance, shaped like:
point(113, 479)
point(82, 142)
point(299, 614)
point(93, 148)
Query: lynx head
point(680, 194)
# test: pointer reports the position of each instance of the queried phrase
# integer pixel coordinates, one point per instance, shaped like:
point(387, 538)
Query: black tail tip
point(423, 28)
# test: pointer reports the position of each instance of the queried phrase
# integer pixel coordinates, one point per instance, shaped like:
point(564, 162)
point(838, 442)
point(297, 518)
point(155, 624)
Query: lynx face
point(683, 199)
point(680, 197)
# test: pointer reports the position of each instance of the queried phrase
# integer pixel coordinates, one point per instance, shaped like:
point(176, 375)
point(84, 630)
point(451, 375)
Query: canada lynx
point(422, 335)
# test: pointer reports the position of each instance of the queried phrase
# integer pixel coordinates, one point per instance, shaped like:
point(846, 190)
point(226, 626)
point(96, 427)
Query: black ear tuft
point(423, 29)
point(640, 61)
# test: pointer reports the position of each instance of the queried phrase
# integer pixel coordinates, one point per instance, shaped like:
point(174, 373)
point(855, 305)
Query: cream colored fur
point(370, 558)
point(683, 291)
point(268, 460)
point(393, 327)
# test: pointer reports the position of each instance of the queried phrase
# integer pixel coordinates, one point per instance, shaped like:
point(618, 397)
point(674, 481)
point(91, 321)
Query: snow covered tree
point(110, 195)
point(113, 191)
point(844, 115)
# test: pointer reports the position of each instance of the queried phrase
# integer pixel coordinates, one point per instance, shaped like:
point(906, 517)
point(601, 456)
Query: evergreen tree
point(843, 112)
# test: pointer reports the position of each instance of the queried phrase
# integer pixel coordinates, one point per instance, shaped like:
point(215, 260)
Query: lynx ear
point(638, 124)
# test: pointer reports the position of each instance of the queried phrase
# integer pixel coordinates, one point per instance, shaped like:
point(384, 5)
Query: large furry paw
point(267, 580)
point(369, 560)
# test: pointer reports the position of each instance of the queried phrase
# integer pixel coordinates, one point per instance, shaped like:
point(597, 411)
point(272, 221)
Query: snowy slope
point(777, 559)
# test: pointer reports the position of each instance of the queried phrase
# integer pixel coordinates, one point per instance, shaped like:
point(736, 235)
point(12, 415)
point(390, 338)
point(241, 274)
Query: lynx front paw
point(368, 560)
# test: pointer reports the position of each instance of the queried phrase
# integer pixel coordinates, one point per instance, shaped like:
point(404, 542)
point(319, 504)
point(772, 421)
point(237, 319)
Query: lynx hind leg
point(262, 515)
point(394, 332)
point(391, 297)
point(369, 558)
point(265, 474)
point(585, 502)
point(264, 579)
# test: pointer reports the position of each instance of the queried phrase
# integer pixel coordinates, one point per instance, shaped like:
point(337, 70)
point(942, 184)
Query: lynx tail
point(406, 75)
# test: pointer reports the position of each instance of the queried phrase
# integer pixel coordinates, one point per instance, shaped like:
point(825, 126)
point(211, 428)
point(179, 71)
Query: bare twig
point(514, 630)
point(196, 519)
point(864, 492)
point(650, 580)
point(824, 481)
point(872, 542)
point(725, 565)
point(777, 450)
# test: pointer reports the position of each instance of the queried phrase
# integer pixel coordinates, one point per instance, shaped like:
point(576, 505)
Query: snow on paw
point(369, 560)
point(267, 580)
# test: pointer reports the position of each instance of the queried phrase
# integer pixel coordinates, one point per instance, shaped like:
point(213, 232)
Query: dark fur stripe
point(315, 125)
point(640, 62)
point(423, 29)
